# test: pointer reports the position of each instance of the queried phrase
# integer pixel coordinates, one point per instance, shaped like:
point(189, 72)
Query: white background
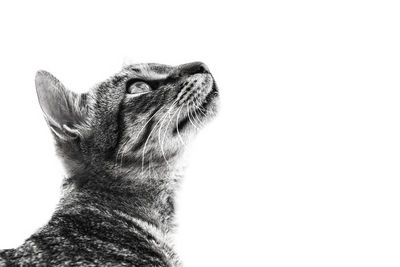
point(301, 167)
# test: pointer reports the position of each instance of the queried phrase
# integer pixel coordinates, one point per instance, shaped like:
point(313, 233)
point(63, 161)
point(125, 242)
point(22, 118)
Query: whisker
point(121, 151)
point(177, 128)
point(200, 108)
point(159, 134)
point(196, 117)
point(166, 130)
point(148, 138)
point(144, 148)
point(190, 118)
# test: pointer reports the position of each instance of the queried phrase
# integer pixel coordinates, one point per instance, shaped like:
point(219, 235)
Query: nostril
point(195, 67)
point(203, 69)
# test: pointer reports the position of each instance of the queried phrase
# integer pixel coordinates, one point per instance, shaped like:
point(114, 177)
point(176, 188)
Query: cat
point(121, 144)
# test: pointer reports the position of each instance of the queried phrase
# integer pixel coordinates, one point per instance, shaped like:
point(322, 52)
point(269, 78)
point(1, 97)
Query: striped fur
point(121, 153)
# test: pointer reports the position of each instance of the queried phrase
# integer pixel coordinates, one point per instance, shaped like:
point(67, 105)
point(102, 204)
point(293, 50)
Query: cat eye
point(138, 88)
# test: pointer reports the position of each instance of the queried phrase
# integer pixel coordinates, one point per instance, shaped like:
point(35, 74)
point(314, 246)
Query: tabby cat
point(120, 144)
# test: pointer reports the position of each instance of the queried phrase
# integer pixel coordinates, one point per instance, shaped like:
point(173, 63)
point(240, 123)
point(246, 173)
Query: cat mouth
point(197, 114)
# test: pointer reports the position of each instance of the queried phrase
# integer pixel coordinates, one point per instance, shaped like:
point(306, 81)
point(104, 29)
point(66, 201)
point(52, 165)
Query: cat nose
point(193, 68)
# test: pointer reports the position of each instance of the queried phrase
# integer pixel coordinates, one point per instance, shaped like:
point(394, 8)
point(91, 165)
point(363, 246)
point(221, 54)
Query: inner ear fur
point(64, 110)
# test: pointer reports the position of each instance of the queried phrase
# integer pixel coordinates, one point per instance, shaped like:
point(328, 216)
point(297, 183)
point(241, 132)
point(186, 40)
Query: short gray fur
point(121, 145)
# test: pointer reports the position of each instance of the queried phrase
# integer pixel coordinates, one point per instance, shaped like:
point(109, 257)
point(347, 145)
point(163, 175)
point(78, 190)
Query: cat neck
point(148, 196)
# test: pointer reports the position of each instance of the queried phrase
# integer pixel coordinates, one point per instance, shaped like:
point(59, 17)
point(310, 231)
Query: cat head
point(137, 120)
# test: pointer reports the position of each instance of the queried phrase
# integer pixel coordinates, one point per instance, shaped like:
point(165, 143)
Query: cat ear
point(63, 109)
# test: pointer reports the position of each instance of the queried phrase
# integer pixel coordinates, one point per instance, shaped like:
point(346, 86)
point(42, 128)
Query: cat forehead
point(150, 70)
